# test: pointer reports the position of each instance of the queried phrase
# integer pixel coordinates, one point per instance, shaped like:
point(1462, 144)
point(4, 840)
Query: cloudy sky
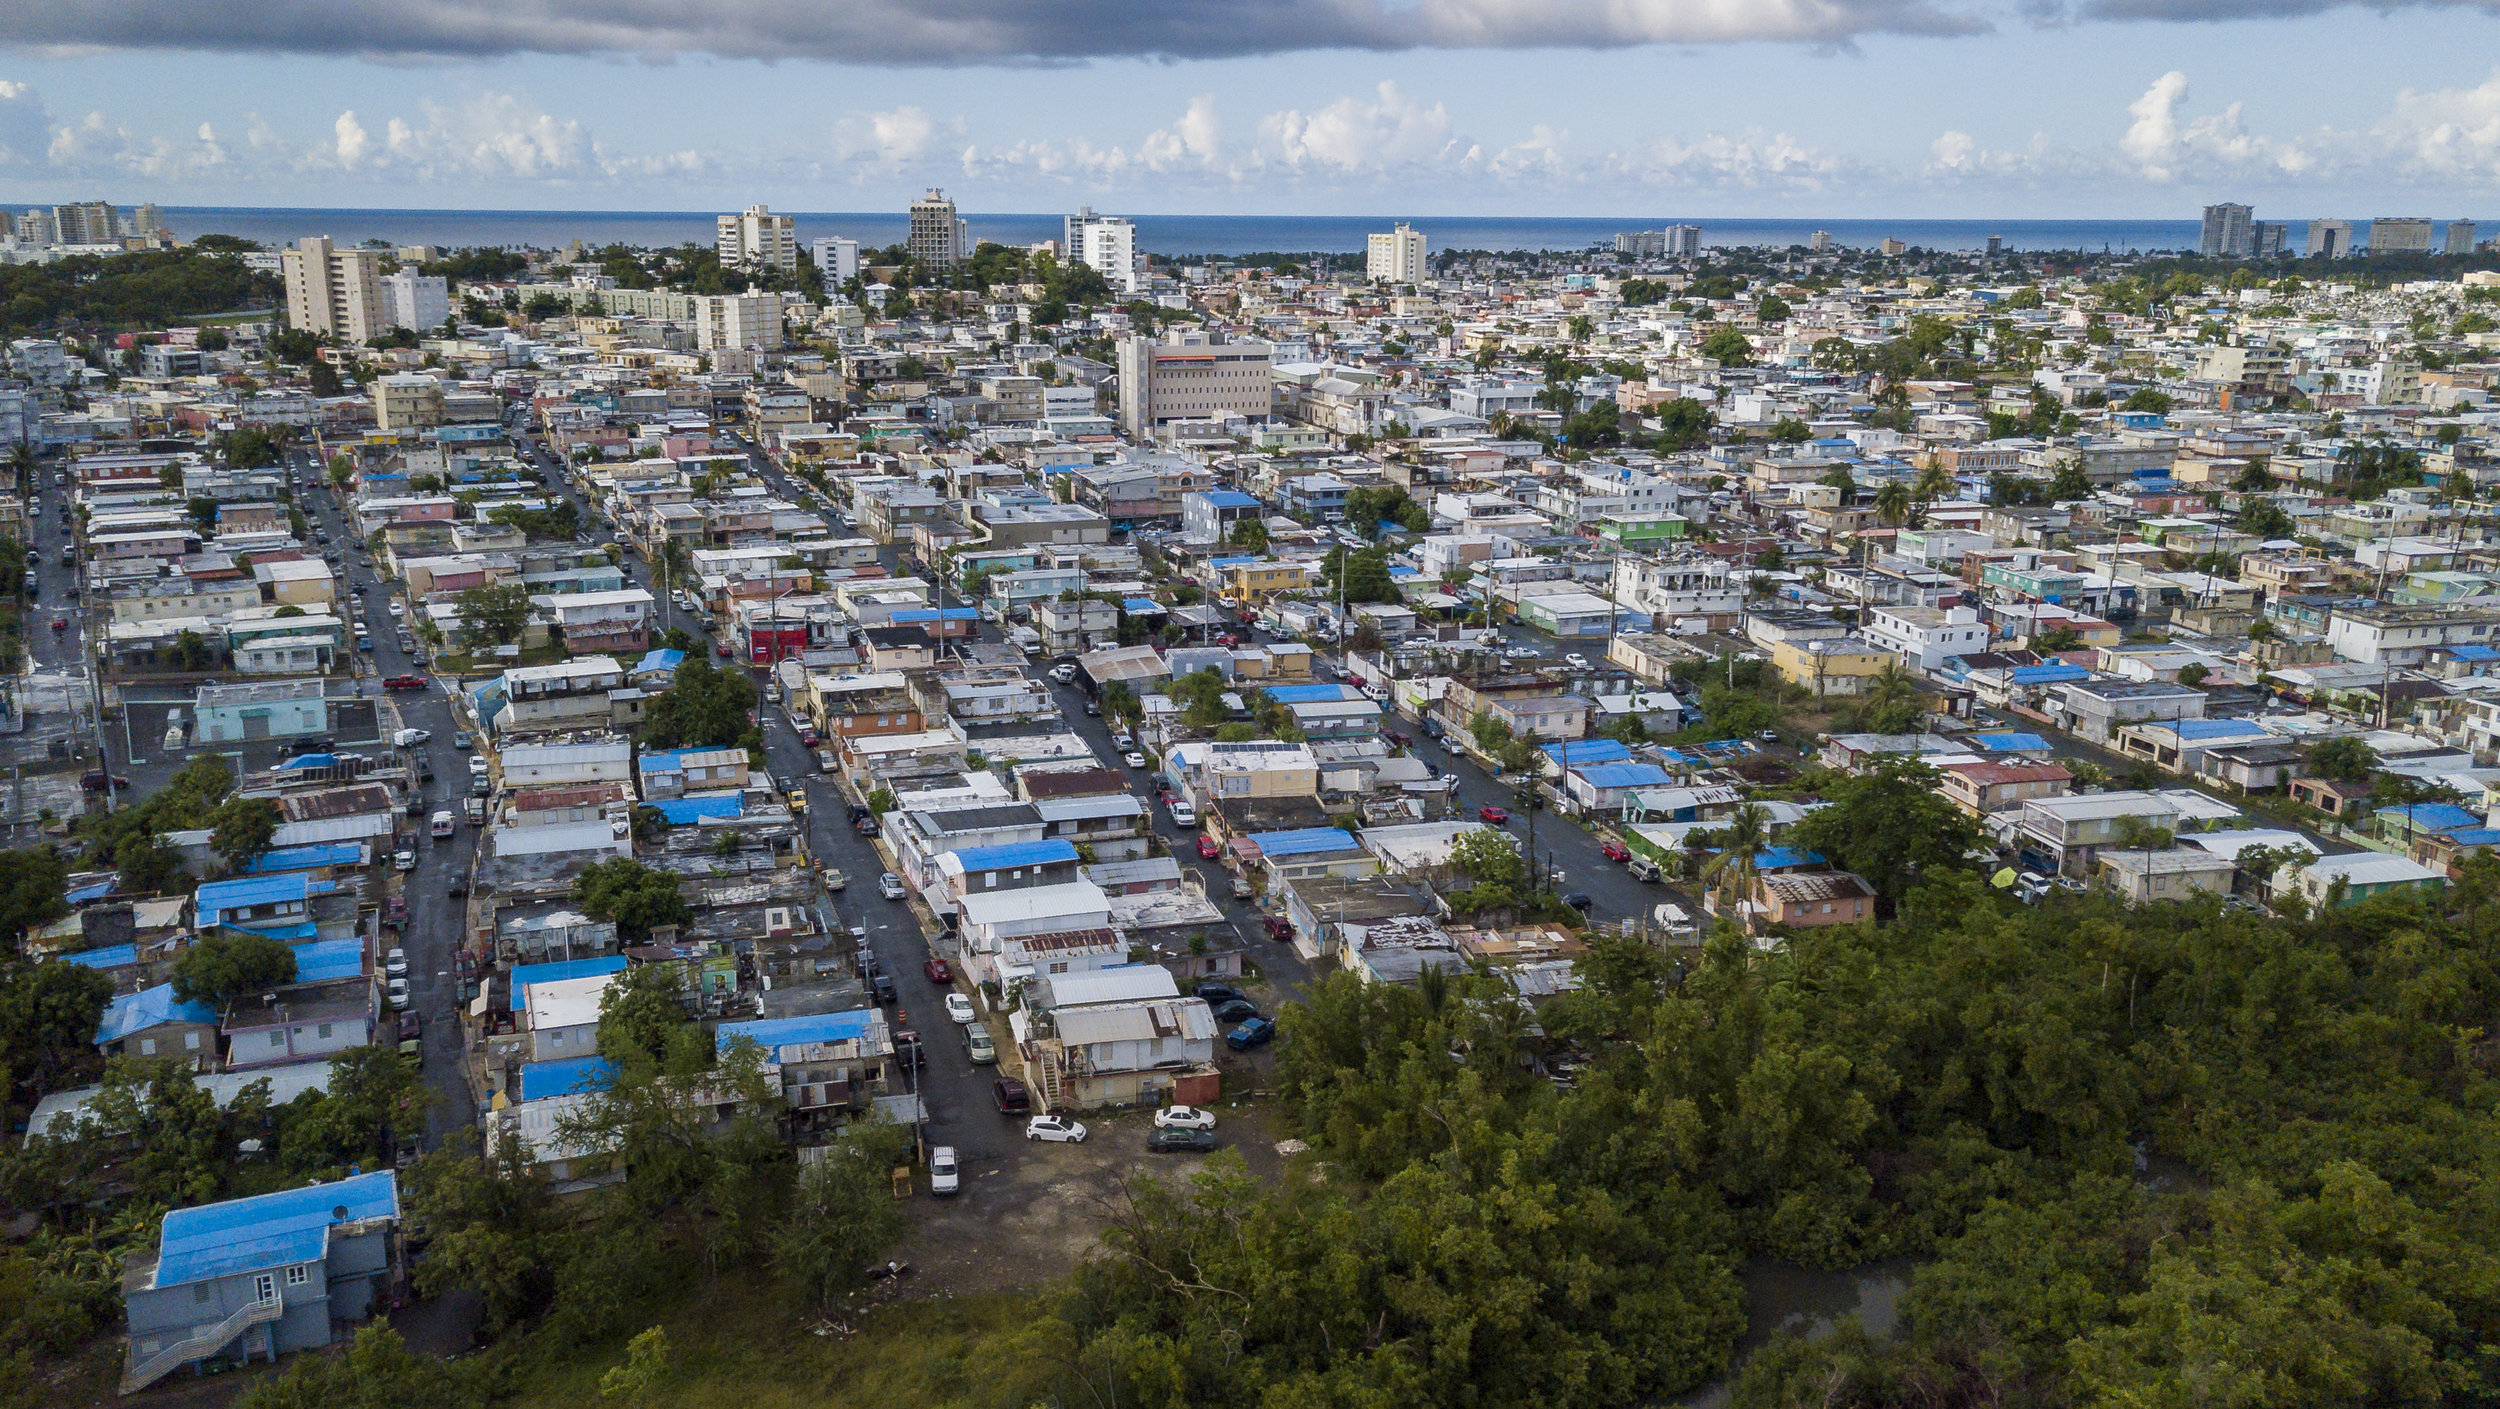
point(1823, 108)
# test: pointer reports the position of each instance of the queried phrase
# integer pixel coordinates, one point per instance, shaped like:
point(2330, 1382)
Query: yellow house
point(1248, 584)
point(1282, 663)
point(1261, 772)
point(1839, 665)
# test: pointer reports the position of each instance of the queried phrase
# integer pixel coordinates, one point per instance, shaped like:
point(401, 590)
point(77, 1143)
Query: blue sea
point(1167, 234)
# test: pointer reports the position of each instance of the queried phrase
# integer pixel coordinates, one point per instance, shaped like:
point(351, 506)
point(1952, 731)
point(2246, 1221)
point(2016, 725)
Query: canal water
point(1781, 1298)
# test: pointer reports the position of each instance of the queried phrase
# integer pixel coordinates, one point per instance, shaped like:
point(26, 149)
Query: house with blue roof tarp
point(258, 1277)
point(324, 959)
point(323, 856)
point(279, 906)
point(557, 971)
point(656, 669)
point(830, 1065)
point(687, 811)
point(1582, 752)
point(978, 870)
point(1305, 852)
point(2406, 824)
point(153, 1023)
point(565, 1076)
point(1606, 786)
point(2182, 743)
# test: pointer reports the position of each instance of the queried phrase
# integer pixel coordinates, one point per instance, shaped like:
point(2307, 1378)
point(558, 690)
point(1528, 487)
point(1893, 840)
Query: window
point(298, 1275)
point(277, 1039)
point(191, 1041)
point(323, 1030)
point(147, 1046)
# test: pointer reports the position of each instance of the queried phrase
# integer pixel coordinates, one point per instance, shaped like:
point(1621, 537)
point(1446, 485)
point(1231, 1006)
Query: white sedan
point(1135, 759)
point(945, 1175)
point(1054, 1127)
point(1184, 1118)
point(960, 1009)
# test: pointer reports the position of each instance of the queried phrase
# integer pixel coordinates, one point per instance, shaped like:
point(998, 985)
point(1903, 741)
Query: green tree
point(494, 1224)
point(1889, 825)
point(633, 895)
point(1250, 535)
point(637, 1380)
point(2070, 483)
point(1728, 348)
point(2346, 759)
point(843, 1217)
point(243, 828)
point(1893, 504)
point(221, 966)
point(641, 1015)
point(33, 884)
point(375, 1101)
point(48, 1018)
point(1683, 423)
point(378, 1371)
point(701, 708)
point(493, 615)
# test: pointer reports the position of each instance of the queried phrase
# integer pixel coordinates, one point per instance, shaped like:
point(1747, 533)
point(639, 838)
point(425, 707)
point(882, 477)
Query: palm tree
point(1892, 504)
point(1745, 835)
point(1933, 484)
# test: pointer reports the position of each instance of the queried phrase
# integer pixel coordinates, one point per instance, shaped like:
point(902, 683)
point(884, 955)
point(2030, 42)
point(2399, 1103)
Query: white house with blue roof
point(828, 1064)
point(279, 906)
point(261, 1276)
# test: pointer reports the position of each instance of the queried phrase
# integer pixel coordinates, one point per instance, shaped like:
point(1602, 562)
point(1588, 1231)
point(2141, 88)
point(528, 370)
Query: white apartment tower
point(1683, 241)
point(1106, 244)
point(419, 302)
point(35, 227)
point(333, 291)
point(1396, 257)
point(755, 238)
point(2230, 232)
point(837, 260)
point(2460, 238)
point(2410, 234)
point(88, 223)
point(939, 237)
point(733, 321)
point(2332, 238)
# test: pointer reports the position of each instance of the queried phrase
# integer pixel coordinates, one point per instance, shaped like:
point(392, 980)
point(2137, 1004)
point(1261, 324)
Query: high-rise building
point(1397, 257)
point(1106, 244)
point(2331, 238)
point(837, 260)
point(751, 321)
point(1996, 245)
point(1641, 244)
point(2230, 232)
point(1683, 241)
point(2400, 234)
point(150, 220)
point(1891, 247)
point(755, 238)
point(333, 291)
point(418, 302)
point(1820, 242)
point(2460, 239)
point(88, 223)
point(1189, 376)
point(35, 227)
point(938, 236)
point(2268, 239)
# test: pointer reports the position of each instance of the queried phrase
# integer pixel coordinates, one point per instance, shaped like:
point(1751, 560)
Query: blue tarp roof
point(306, 858)
point(1231, 499)
point(312, 760)
point(2432, 816)
point(2216, 728)
point(1136, 606)
point(328, 959)
point(269, 1230)
point(660, 660)
point(2055, 674)
point(1580, 751)
point(1622, 775)
point(2011, 742)
point(1312, 694)
point(217, 897)
point(1780, 858)
point(97, 891)
point(1022, 853)
point(111, 956)
point(523, 975)
point(1304, 841)
point(2476, 836)
point(685, 811)
point(565, 1076)
point(2473, 653)
point(774, 1033)
point(133, 1012)
point(921, 616)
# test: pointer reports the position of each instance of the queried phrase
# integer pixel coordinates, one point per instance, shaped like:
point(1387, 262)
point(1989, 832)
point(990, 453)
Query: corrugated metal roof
point(1304, 841)
point(523, 975)
point(217, 897)
point(305, 858)
point(111, 956)
point(1622, 775)
point(1580, 751)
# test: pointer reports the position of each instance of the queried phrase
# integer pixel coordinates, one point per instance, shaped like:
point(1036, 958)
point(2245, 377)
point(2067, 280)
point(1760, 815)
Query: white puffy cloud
point(2164, 147)
point(350, 143)
point(2446, 134)
point(1357, 135)
point(1750, 160)
point(25, 124)
point(1194, 141)
point(886, 139)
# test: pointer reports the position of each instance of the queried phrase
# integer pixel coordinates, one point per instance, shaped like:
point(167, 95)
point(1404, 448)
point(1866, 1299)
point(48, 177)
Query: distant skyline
point(1836, 109)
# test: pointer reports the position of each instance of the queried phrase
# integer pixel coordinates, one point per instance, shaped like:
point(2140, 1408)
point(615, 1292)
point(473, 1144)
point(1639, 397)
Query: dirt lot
point(1020, 1224)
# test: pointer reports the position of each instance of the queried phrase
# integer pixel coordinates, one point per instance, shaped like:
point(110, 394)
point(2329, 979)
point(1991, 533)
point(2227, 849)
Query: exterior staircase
point(205, 1341)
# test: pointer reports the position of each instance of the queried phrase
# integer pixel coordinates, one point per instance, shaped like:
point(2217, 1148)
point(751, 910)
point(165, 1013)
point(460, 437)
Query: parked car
point(460, 739)
point(1498, 816)
point(865, 825)
point(937, 970)
point(1009, 1095)
point(1064, 673)
point(890, 886)
point(945, 1176)
point(397, 989)
point(1576, 661)
point(1580, 901)
point(1398, 737)
point(881, 989)
point(395, 963)
point(395, 910)
point(404, 682)
point(1184, 1118)
point(1215, 992)
point(907, 1049)
point(1207, 849)
point(1236, 1010)
point(93, 780)
point(1179, 1142)
point(1133, 759)
point(1055, 1128)
point(1254, 1033)
point(459, 886)
point(978, 1047)
point(960, 1008)
point(404, 860)
point(1615, 851)
point(809, 737)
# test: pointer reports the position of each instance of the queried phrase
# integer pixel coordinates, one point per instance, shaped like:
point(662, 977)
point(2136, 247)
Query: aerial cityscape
point(986, 749)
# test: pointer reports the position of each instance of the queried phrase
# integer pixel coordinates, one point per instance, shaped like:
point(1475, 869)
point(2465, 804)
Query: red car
point(1207, 849)
point(937, 970)
point(404, 682)
point(808, 735)
point(60, 623)
point(1498, 816)
point(1615, 851)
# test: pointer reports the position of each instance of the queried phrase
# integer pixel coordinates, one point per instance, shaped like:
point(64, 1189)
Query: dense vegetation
point(142, 290)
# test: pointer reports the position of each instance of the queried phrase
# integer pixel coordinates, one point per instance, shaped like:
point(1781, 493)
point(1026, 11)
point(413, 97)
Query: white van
point(443, 824)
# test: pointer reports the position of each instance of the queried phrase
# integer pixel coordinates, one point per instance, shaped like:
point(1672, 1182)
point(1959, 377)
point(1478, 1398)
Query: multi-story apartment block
point(2389, 635)
point(2230, 232)
point(837, 260)
point(421, 302)
point(938, 237)
point(1106, 244)
point(1396, 257)
point(1927, 637)
point(333, 291)
point(1190, 376)
point(732, 321)
point(755, 238)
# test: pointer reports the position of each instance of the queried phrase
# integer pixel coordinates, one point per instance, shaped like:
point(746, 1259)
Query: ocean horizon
point(1220, 235)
